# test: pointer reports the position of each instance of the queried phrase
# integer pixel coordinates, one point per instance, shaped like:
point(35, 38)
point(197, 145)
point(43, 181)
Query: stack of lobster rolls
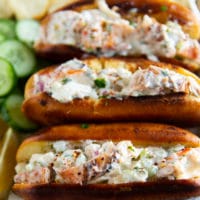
point(155, 29)
point(124, 66)
point(111, 89)
point(109, 161)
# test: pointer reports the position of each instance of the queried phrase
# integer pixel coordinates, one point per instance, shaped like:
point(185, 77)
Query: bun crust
point(173, 108)
point(162, 190)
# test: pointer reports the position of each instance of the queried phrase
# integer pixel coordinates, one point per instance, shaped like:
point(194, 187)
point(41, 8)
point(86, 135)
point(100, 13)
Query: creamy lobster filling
point(90, 161)
point(97, 32)
point(76, 80)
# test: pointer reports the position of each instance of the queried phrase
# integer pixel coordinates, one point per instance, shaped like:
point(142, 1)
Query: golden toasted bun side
point(174, 108)
point(160, 190)
point(178, 109)
point(141, 134)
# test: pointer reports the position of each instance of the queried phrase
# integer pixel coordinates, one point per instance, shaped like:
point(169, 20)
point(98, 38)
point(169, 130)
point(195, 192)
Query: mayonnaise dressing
point(75, 80)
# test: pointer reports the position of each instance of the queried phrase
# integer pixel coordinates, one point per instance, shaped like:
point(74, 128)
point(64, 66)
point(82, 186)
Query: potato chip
point(5, 9)
point(35, 9)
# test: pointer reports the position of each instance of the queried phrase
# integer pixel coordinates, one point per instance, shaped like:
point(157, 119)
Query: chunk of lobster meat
point(40, 175)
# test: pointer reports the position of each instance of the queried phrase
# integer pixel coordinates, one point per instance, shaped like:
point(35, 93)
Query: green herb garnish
point(100, 83)
point(179, 45)
point(84, 125)
point(178, 57)
point(164, 73)
point(132, 23)
point(143, 153)
point(90, 49)
point(163, 8)
point(103, 97)
point(65, 80)
point(131, 148)
point(136, 168)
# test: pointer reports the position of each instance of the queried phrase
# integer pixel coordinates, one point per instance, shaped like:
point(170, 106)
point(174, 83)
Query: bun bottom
point(180, 109)
point(160, 190)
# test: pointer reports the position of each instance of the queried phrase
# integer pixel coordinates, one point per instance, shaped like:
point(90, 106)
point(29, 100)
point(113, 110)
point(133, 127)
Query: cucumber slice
point(11, 113)
point(7, 28)
point(7, 77)
point(20, 56)
point(28, 31)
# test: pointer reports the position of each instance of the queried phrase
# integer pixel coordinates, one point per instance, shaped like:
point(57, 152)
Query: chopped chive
point(179, 45)
point(84, 125)
point(131, 148)
point(132, 23)
point(65, 80)
point(90, 49)
point(164, 73)
point(100, 83)
point(143, 153)
point(136, 168)
point(177, 57)
point(163, 8)
point(149, 156)
point(103, 97)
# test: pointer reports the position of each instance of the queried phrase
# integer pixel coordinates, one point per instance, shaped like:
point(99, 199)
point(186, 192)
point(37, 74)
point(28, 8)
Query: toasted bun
point(174, 108)
point(161, 190)
point(139, 133)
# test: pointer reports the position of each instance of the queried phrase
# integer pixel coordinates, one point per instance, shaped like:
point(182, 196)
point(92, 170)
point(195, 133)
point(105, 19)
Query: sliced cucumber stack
point(12, 114)
point(21, 57)
point(8, 78)
point(27, 30)
point(17, 62)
